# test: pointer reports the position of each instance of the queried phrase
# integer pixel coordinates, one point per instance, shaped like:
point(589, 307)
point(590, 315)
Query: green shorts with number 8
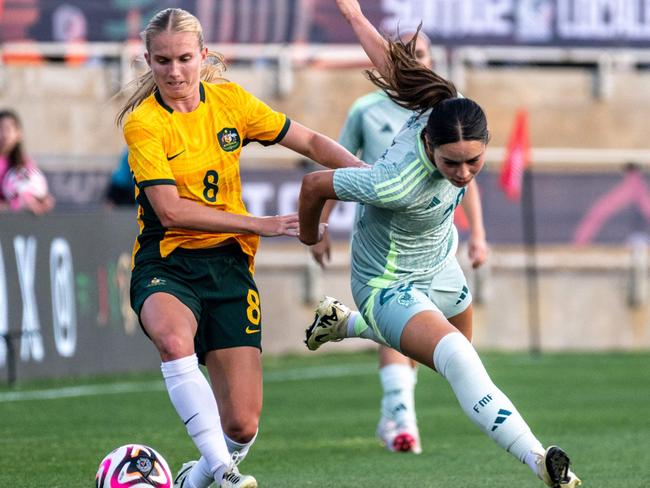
point(216, 285)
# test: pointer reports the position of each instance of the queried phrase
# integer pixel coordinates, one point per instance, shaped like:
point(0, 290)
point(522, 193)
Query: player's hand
point(322, 250)
point(477, 250)
point(349, 8)
point(280, 225)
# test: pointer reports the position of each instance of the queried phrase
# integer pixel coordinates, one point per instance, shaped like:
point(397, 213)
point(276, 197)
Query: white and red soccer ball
point(19, 181)
point(133, 466)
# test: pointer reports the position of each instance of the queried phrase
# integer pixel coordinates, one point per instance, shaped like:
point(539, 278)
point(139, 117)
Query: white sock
point(532, 458)
point(486, 405)
point(200, 476)
point(192, 397)
point(398, 402)
point(238, 447)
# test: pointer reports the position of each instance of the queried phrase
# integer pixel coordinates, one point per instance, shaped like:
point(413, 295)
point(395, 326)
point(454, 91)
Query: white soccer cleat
point(397, 438)
point(234, 479)
point(183, 473)
point(330, 323)
point(553, 469)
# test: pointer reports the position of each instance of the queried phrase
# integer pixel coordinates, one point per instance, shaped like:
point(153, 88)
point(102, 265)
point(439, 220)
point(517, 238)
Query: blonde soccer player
point(192, 284)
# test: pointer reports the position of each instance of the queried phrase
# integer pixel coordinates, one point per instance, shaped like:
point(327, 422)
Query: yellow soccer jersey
point(199, 153)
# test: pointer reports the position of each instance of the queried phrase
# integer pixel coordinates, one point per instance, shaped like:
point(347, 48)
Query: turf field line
point(297, 374)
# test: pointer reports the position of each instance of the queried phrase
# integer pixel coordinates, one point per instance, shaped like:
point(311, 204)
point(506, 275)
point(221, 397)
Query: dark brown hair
point(408, 82)
point(415, 87)
point(16, 156)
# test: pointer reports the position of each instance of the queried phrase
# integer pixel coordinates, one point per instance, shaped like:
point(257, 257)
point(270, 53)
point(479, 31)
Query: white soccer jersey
point(405, 232)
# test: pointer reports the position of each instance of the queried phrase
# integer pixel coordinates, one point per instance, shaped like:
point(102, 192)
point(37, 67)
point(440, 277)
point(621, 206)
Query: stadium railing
point(604, 62)
point(450, 62)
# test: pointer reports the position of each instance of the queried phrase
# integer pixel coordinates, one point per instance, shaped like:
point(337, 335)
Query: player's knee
point(241, 429)
point(172, 346)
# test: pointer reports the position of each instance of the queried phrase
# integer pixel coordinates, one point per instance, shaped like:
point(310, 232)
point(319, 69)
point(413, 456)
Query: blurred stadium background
point(568, 269)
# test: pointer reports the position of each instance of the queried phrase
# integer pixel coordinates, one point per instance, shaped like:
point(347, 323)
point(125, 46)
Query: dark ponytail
point(412, 85)
point(408, 82)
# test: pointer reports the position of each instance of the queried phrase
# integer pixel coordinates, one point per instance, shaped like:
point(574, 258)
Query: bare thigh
point(170, 325)
point(422, 334)
point(463, 322)
point(236, 378)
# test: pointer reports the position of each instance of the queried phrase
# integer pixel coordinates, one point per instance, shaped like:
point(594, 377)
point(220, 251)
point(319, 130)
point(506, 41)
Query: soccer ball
point(18, 181)
point(133, 466)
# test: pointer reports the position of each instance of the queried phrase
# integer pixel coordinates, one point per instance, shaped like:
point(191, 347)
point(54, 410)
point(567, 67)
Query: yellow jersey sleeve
point(147, 156)
point(263, 124)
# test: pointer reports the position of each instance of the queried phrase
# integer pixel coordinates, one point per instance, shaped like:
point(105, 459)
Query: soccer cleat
point(553, 469)
point(183, 473)
point(234, 479)
point(407, 440)
point(330, 323)
point(398, 439)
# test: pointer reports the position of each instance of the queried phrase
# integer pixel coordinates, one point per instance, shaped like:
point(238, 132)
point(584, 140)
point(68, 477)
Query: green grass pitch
point(320, 412)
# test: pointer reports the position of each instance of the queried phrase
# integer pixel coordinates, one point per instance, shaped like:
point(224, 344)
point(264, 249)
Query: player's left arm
point(369, 37)
point(477, 246)
point(319, 147)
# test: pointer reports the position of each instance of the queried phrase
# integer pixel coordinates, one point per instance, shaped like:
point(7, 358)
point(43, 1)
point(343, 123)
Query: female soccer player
point(192, 284)
point(403, 248)
point(371, 124)
point(22, 185)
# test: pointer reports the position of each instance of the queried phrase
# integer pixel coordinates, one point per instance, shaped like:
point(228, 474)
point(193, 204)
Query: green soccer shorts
point(216, 285)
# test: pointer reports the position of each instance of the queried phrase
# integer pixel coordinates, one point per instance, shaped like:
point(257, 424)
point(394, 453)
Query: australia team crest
point(229, 139)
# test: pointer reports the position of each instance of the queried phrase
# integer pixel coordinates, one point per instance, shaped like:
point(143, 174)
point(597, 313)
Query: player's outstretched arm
point(371, 40)
point(174, 211)
point(317, 188)
point(319, 147)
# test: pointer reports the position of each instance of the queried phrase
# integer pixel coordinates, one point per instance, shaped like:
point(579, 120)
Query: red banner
point(517, 157)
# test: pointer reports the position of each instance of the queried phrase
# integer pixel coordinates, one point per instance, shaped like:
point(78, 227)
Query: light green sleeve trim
point(398, 178)
point(421, 175)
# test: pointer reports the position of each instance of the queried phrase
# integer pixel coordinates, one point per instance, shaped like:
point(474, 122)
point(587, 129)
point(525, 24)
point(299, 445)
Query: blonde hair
point(171, 20)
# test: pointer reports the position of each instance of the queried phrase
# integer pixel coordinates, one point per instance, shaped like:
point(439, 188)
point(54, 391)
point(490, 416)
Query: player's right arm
point(351, 138)
point(371, 40)
point(174, 211)
point(317, 188)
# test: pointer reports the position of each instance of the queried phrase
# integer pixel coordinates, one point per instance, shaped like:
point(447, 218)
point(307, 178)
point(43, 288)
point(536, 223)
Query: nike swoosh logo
point(190, 419)
point(251, 331)
point(169, 158)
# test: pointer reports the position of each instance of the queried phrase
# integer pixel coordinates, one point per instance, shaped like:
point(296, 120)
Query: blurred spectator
point(121, 191)
point(22, 185)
